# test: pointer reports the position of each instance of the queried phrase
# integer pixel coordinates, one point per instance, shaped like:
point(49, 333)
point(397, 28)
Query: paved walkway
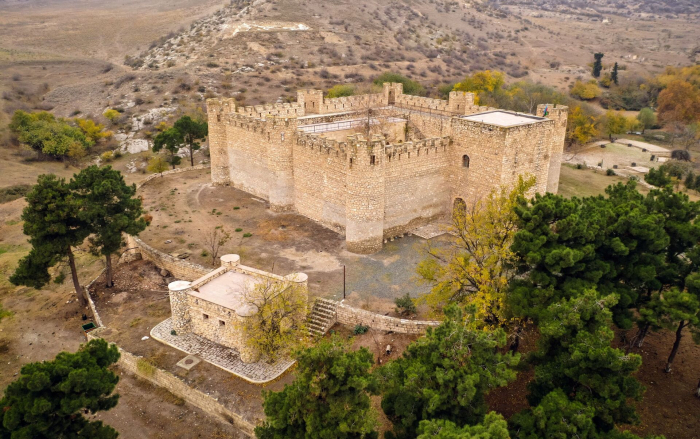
point(656, 149)
point(226, 358)
point(432, 230)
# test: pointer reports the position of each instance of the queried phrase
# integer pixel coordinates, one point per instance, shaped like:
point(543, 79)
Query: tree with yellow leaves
point(93, 131)
point(580, 127)
point(486, 81)
point(276, 325)
point(475, 266)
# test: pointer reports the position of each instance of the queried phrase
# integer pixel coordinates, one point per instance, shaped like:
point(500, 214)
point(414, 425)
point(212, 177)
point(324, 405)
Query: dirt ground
point(186, 206)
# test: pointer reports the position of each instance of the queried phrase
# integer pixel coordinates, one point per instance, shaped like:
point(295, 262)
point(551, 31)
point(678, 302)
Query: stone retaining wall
point(129, 363)
point(350, 316)
point(179, 268)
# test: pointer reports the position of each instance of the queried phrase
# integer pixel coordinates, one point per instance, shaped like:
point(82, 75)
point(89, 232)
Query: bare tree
point(214, 240)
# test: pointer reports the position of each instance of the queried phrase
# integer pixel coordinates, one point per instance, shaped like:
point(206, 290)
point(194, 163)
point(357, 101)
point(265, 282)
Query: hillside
point(73, 56)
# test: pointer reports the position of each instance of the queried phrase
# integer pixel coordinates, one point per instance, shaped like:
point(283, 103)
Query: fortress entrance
point(459, 209)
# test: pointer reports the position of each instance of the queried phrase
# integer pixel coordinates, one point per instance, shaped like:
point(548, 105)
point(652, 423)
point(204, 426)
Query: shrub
point(360, 329)
point(239, 230)
point(405, 305)
point(145, 367)
point(410, 87)
point(247, 235)
point(579, 166)
point(11, 193)
point(107, 156)
point(610, 172)
point(341, 90)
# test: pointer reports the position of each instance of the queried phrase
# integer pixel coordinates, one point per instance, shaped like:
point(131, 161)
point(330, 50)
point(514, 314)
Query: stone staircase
point(321, 317)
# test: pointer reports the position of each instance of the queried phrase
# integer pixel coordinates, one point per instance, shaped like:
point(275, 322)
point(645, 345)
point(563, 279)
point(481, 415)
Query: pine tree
point(564, 246)
point(672, 310)
point(328, 398)
point(493, 427)
point(689, 180)
point(170, 140)
point(191, 131)
point(110, 208)
point(598, 64)
point(574, 355)
point(52, 222)
point(613, 75)
point(48, 399)
point(445, 375)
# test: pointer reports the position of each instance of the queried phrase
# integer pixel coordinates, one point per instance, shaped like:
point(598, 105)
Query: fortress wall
point(280, 110)
point(320, 172)
point(559, 114)
point(417, 185)
point(423, 125)
point(527, 152)
point(352, 103)
point(247, 150)
point(484, 145)
point(423, 104)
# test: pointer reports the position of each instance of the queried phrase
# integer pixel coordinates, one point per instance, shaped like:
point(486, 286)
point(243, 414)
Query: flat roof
point(227, 290)
point(503, 118)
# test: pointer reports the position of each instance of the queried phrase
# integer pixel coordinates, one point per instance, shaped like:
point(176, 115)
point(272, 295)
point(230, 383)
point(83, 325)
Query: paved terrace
point(223, 357)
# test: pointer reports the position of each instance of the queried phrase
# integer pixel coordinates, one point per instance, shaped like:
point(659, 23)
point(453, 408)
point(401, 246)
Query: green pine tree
point(614, 74)
point(493, 427)
point(330, 396)
point(597, 64)
point(48, 399)
point(170, 140)
point(111, 209)
point(192, 132)
point(575, 356)
point(445, 375)
point(52, 222)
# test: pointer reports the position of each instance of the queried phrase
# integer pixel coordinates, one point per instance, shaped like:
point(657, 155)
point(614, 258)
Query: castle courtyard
point(186, 206)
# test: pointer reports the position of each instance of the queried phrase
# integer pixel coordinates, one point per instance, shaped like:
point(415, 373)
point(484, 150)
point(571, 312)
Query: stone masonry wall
point(417, 184)
point(128, 362)
point(179, 268)
point(367, 188)
point(350, 316)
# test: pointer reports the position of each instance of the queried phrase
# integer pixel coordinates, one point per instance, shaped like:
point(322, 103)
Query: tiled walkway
point(220, 356)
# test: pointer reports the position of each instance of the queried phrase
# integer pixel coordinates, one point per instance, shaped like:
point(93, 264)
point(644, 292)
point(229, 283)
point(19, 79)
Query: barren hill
point(72, 55)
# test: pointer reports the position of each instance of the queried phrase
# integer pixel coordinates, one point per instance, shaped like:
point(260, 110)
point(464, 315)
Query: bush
point(145, 367)
point(405, 305)
point(341, 90)
point(610, 172)
point(11, 193)
point(360, 329)
point(247, 235)
point(579, 166)
point(410, 87)
point(107, 156)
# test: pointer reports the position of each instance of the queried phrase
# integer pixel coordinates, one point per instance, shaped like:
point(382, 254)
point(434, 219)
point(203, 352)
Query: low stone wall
point(350, 316)
point(129, 363)
point(179, 268)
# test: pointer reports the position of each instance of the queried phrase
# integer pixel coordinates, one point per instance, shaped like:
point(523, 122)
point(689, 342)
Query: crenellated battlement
point(377, 174)
point(258, 125)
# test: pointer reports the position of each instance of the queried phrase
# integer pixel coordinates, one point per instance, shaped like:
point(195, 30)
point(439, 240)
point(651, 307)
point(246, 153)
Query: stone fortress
point(377, 166)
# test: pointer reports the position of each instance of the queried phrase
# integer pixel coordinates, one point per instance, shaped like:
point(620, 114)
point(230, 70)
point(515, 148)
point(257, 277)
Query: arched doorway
point(459, 209)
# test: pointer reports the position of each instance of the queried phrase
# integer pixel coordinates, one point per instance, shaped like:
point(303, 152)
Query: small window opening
point(283, 137)
point(218, 118)
point(205, 316)
point(465, 161)
point(222, 323)
point(372, 160)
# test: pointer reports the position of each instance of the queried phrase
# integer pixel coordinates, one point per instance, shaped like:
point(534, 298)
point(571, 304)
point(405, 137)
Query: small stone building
point(377, 166)
point(213, 305)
